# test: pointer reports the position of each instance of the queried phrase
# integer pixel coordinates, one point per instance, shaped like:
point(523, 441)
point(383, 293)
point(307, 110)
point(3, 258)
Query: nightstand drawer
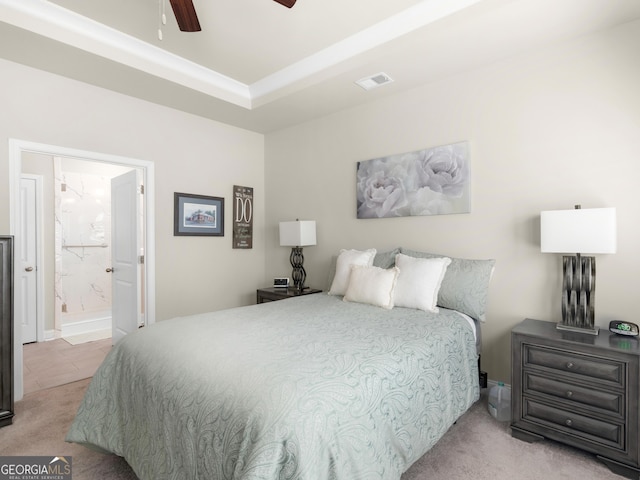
point(607, 401)
point(579, 389)
point(586, 428)
point(592, 368)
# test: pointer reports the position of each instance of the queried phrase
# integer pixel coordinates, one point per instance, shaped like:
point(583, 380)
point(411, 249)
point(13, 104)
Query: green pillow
point(465, 286)
point(386, 259)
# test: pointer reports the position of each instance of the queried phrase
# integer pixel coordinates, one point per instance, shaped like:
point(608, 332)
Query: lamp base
point(298, 274)
point(569, 328)
point(578, 294)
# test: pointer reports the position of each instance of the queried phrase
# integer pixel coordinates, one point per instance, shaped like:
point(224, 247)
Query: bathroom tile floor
point(56, 362)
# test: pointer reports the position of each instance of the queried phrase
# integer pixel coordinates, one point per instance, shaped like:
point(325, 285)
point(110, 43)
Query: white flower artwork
point(433, 181)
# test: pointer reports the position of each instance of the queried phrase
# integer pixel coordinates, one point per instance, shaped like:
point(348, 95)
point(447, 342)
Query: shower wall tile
point(83, 253)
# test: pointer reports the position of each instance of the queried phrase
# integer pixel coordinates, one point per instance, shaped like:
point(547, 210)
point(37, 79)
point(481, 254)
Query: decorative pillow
point(343, 268)
point(465, 286)
point(386, 259)
point(419, 281)
point(371, 285)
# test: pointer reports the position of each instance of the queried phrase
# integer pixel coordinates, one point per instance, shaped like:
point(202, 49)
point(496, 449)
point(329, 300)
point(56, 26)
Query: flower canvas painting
point(433, 181)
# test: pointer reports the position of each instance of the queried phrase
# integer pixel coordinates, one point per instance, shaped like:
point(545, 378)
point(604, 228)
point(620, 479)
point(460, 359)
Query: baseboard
point(86, 326)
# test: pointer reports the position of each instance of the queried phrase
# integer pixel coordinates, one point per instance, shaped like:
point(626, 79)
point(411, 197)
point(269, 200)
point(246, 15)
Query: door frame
point(40, 270)
point(16, 149)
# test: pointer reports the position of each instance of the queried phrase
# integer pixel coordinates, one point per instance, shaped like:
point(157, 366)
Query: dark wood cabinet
point(6, 330)
point(279, 293)
point(578, 389)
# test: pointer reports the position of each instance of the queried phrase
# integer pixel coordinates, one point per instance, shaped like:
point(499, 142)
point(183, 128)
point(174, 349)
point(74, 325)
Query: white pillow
point(371, 285)
point(419, 281)
point(343, 267)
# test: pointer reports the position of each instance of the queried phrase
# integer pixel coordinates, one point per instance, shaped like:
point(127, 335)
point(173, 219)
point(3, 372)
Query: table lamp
point(298, 234)
point(590, 230)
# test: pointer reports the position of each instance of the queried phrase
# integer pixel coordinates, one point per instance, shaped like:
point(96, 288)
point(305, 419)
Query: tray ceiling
point(261, 66)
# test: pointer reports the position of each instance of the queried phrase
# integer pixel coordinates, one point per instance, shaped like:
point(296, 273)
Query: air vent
point(374, 81)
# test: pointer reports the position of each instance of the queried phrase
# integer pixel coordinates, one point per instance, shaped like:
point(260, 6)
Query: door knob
point(28, 269)
point(109, 270)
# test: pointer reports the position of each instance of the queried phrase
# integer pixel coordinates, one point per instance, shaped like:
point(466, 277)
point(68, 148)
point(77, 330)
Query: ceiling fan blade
point(286, 3)
point(186, 16)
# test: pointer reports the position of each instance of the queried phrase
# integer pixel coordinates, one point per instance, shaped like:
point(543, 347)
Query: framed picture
point(242, 217)
point(198, 215)
point(432, 181)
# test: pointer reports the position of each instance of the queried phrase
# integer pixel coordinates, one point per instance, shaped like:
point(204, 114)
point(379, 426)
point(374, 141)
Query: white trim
point(58, 23)
point(66, 26)
point(91, 325)
point(16, 148)
point(402, 23)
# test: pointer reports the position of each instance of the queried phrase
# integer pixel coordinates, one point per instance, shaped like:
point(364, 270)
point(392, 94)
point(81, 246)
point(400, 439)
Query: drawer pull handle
point(568, 422)
point(569, 365)
point(569, 394)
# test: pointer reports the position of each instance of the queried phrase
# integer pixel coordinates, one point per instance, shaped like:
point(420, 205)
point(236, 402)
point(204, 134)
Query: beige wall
point(190, 154)
point(548, 130)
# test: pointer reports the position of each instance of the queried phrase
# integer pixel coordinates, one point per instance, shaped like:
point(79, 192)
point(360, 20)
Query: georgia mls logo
point(35, 468)
point(60, 465)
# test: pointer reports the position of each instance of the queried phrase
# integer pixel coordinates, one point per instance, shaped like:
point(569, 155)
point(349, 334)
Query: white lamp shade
point(298, 233)
point(589, 230)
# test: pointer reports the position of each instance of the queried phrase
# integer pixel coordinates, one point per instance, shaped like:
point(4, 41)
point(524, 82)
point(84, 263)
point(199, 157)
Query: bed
point(309, 388)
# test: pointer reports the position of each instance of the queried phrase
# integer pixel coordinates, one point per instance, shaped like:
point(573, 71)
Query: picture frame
point(431, 181)
point(198, 215)
point(242, 217)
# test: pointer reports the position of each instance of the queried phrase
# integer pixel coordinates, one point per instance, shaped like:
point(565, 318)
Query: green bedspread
point(309, 388)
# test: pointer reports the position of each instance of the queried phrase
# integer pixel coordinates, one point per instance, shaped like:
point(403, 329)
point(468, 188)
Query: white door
point(28, 262)
point(125, 245)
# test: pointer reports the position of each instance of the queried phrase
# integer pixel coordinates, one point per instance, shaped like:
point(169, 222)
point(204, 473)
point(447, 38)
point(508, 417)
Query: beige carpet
point(476, 447)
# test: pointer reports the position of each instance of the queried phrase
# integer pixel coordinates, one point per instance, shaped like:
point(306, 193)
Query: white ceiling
point(261, 66)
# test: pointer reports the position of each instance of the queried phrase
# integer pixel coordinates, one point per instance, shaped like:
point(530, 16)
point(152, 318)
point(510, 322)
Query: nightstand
point(279, 293)
point(577, 389)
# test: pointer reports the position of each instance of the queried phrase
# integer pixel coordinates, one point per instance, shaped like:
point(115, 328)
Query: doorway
point(18, 150)
point(82, 278)
point(66, 255)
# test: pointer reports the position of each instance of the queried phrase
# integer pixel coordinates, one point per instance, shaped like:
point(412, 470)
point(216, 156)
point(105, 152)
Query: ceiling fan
point(187, 19)
point(286, 3)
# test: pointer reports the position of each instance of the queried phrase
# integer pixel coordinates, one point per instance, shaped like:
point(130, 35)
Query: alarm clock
point(281, 282)
point(624, 328)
